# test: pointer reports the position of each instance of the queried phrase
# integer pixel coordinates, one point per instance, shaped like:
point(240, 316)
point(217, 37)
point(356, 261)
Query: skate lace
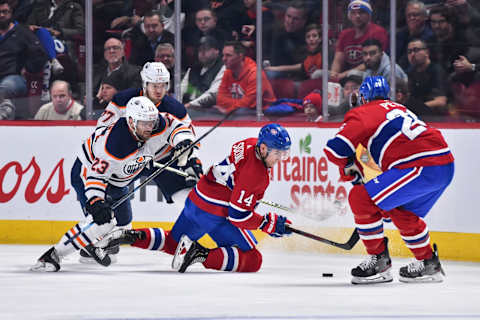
point(415, 266)
point(100, 253)
point(368, 263)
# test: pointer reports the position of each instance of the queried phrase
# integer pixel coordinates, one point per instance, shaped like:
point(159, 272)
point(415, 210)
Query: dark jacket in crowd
point(20, 48)
point(129, 76)
point(201, 83)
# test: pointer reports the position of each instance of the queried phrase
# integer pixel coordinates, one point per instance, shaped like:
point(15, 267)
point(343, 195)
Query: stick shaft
point(346, 246)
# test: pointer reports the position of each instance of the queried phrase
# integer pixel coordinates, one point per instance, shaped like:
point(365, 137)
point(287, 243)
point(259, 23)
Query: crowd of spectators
point(42, 48)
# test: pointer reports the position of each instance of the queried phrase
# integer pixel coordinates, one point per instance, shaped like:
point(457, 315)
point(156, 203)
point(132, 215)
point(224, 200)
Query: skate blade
point(434, 278)
point(377, 278)
point(182, 248)
point(41, 266)
point(90, 260)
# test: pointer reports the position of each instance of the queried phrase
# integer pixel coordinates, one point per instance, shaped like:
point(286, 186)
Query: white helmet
point(141, 108)
point(154, 72)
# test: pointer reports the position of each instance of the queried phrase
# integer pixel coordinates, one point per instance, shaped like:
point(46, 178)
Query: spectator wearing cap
point(238, 88)
point(200, 83)
point(146, 36)
point(114, 61)
point(377, 62)
point(348, 52)
point(62, 107)
point(109, 87)
point(312, 106)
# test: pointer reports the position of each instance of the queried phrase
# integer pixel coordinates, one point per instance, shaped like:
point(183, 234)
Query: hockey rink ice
point(289, 286)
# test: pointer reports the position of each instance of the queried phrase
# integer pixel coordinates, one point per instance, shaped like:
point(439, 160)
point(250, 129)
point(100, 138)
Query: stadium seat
point(284, 88)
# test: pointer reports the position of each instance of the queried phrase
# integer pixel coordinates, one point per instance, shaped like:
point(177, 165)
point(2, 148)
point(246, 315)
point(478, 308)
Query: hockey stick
point(346, 246)
point(156, 173)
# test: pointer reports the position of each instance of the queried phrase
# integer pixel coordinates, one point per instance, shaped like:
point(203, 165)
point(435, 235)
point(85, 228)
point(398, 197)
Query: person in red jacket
point(238, 88)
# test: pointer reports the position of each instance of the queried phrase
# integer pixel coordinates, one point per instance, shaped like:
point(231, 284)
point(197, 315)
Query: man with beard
point(19, 49)
point(377, 62)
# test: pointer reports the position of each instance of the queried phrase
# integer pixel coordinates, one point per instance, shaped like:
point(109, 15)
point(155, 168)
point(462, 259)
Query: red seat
point(466, 99)
point(34, 93)
point(284, 88)
point(308, 86)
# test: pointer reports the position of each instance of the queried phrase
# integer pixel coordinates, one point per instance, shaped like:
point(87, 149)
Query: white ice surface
point(289, 286)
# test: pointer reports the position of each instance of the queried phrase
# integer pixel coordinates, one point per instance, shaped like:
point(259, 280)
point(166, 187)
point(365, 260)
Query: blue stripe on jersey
point(121, 98)
point(158, 239)
point(419, 240)
point(252, 237)
point(389, 130)
point(340, 147)
point(237, 214)
point(231, 259)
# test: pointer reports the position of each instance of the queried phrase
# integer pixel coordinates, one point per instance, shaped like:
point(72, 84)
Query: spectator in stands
point(62, 107)
point(7, 109)
point(450, 40)
point(201, 82)
point(64, 19)
point(108, 88)
point(146, 36)
point(377, 62)
point(228, 13)
point(114, 61)
point(205, 25)
point(239, 83)
point(311, 67)
point(20, 50)
point(401, 93)
point(312, 106)
point(288, 45)
point(348, 52)
point(468, 14)
point(426, 81)
point(417, 26)
point(165, 53)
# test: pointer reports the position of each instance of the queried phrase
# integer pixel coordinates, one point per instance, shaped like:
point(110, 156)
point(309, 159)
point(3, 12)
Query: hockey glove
point(99, 209)
point(352, 172)
point(194, 170)
point(275, 225)
point(182, 157)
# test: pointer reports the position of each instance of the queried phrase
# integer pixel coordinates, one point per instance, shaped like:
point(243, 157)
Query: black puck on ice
point(327, 274)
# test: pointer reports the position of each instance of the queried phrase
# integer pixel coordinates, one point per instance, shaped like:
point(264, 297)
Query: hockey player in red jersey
point(417, 167)
point(222, 204)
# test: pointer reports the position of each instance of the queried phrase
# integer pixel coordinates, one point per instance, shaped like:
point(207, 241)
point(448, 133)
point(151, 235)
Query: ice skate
point(374, 269)
point(48, 262)
point(428, 270)
point(187, 253)
point(86, 258)
point(99, 254)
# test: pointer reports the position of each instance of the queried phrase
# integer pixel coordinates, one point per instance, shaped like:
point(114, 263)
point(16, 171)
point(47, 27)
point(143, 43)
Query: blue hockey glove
point(275, 225)
point(99, 209)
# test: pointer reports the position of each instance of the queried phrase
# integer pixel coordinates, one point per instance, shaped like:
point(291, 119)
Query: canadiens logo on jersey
point(354, 54)
point(137, 164)
point(237, 91)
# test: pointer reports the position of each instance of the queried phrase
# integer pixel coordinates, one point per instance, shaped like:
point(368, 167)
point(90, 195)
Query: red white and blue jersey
point(232, 187)
point(393, 135)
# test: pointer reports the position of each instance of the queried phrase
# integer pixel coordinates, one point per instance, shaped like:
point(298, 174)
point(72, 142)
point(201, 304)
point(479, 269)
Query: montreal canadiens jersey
point(232, 187)
point(113, 155)
point(393, 135)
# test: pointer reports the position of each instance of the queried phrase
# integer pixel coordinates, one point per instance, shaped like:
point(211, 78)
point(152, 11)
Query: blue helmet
point(374, 88)
point(274, 136)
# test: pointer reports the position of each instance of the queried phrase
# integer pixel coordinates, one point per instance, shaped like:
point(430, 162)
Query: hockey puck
point(327, 274)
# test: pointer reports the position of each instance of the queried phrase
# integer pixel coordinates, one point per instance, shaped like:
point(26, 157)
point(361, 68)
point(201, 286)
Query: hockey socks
point(234, 260)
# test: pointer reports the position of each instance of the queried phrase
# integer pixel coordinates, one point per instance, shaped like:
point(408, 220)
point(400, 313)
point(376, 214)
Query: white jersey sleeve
point(110, 115)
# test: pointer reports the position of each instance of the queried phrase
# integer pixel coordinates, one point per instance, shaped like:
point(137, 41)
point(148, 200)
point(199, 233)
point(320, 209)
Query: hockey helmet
point(374, 88)
point(274, 136)
point(154, 72)
point(141, 109)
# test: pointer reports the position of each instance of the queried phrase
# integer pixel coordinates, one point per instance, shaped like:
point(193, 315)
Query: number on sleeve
point(412, 127)
point(247, 200)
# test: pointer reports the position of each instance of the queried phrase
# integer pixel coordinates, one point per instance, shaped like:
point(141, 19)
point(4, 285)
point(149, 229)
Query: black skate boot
point(48, 262)
point(187, 253)
point(375, 269)
point(428, 270)
point(99, 254)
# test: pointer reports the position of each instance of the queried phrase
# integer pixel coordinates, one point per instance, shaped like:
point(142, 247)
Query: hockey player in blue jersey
point(155, 85)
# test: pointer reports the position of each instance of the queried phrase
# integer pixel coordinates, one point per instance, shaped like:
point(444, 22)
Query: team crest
point(134, 166)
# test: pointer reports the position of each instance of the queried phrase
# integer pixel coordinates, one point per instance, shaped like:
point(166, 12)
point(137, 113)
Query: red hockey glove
point(352, 172)
point(275, 225)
